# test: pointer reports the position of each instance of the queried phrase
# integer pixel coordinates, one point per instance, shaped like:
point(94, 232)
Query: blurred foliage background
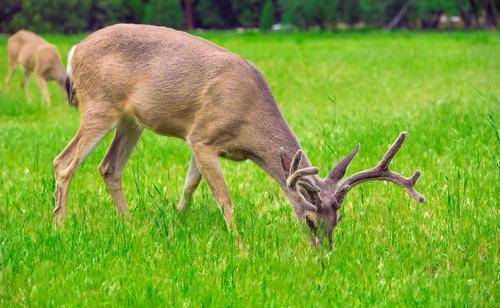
point(73, 16)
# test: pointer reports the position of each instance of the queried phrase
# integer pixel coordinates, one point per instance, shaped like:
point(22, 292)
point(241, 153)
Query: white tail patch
point(68, 65)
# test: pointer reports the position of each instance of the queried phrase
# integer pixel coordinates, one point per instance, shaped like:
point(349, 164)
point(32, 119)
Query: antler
point(379, 172)
point(297, 180)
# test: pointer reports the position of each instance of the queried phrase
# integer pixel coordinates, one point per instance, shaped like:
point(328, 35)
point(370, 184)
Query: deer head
point(319, 200)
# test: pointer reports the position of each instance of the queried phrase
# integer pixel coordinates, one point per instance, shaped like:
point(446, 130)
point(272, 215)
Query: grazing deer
point(34, 54)
point(130, 77)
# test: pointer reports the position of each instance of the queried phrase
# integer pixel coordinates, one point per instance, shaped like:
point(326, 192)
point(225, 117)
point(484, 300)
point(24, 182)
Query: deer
point(129, 77)
point(34, 54)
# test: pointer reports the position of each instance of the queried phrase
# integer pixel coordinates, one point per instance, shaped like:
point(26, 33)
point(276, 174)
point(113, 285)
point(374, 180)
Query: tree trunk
point(475, 12)
point(396, 20)
point(188, 7)
point(491, 20)
point(465, 16)
point(435, 20)
point(466, 19)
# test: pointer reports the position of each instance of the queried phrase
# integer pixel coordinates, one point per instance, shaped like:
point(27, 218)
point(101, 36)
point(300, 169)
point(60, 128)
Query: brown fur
point(34, 54)
point(132, 77)
point(137, 76)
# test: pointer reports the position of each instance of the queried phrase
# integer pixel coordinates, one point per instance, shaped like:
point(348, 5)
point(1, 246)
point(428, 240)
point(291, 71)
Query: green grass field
point(443, 88)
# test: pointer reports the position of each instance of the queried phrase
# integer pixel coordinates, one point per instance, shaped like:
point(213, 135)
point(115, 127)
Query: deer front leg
point(24, 85)
point(193, 178)
point(208, 164)
point(43, 87)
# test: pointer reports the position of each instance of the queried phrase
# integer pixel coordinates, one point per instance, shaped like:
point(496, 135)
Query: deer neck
point(269, 159)
point(272, 132)
point(59, 76)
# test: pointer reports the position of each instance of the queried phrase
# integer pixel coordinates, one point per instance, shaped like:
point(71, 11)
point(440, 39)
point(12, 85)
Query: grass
point(335, 90)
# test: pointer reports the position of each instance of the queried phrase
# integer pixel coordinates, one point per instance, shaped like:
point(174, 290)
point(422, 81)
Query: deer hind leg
point(193, 178)
point(208, 163)
point(12, 69)
point(42, 83)
point(92, 130)
point(126, 137)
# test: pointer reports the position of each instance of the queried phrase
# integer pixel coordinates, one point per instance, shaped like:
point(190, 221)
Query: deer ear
point(339, 171)
point(285, 162)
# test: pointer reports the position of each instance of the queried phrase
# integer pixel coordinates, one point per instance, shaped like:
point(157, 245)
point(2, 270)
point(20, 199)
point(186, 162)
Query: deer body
point(135, 76)
point(176, 85)
point(34, 54)
point(130, 77)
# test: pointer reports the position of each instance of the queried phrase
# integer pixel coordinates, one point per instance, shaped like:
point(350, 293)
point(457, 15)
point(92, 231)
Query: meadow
point(335, 90)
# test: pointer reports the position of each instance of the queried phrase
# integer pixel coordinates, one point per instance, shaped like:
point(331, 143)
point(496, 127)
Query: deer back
point(174, 83)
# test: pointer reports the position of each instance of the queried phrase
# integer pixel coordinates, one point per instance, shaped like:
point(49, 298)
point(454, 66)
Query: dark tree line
point(71, 16)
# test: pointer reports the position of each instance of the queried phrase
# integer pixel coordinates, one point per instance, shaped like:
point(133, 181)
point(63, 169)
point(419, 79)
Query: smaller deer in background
point(36, 55)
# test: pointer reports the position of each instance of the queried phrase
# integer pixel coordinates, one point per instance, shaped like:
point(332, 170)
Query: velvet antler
point(380, 172)
point(297, 179)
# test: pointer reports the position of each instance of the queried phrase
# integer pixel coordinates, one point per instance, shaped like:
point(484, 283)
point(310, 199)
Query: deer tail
point(70, 90)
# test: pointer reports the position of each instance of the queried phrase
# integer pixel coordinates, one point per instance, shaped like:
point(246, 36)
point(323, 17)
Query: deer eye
point(310, 223)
